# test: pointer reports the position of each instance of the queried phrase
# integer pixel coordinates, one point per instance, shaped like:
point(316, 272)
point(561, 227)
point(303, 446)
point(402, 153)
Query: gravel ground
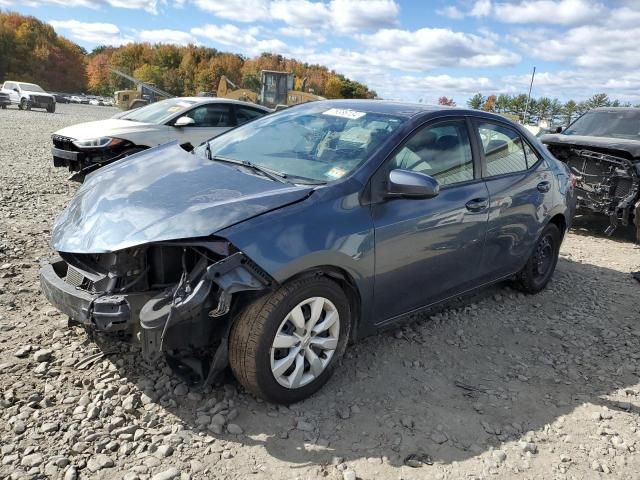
point(498, 385)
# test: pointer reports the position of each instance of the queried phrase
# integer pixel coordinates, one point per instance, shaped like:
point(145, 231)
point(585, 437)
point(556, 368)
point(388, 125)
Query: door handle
point(476, 205)
point(544, 187)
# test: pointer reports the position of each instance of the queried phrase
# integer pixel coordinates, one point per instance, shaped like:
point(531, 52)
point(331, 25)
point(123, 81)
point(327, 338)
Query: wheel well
point(560, 222)
point(347, 283)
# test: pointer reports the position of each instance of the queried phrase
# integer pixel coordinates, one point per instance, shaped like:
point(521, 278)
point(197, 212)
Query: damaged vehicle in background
point(602, 148)
point(28, 96)
point(87, 146)
point(272, 246)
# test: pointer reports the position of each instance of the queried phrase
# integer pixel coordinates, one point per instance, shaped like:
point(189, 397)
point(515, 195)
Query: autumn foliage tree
point(446, 101)
point(31, 51)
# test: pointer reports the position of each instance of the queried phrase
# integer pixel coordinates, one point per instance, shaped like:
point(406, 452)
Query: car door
point(14, 96)
point(210, 120)
point(429, 249)
point(519, 184)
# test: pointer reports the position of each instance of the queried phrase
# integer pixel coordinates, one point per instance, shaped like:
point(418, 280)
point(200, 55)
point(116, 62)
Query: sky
point(413, 50)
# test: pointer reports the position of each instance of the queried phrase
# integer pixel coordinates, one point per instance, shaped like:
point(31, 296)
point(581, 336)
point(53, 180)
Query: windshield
point(32, 87)
point(609, 123)
point(158, 112)
point(315, 143)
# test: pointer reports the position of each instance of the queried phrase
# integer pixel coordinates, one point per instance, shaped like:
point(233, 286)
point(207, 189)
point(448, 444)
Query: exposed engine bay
point(607, 182)
point(173, 298)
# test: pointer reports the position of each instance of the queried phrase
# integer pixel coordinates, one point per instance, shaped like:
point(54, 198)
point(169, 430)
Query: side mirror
point(410, 184)
point(559, 129)
point(184, 122)
point(15, 89)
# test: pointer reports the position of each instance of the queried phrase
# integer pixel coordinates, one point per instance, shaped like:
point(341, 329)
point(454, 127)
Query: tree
point(569, 111)
point(476, 102)
point(489, 104)
point(502, 103)
point(598, 100)
point(333, 88)
point(449, 102)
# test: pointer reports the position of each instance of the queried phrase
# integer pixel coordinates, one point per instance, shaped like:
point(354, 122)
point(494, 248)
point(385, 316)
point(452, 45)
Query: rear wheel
point(542, 263)
point(51, 108)
point(283, 347)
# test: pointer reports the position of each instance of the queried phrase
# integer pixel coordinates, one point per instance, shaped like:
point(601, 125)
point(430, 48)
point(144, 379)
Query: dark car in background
point(272, 246)
point(602, 148)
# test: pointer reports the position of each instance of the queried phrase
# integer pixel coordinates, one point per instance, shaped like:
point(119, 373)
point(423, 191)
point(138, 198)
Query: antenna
point(526, 107)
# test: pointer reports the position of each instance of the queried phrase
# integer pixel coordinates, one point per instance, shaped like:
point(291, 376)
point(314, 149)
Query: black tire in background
point(51, 108)
point(24, 104)
point(542, 263)
point(253, 333)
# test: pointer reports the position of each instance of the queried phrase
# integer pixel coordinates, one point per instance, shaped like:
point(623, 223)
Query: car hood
point(112, 127)
point(163, 194)
point(619, 144)
point(39, 94)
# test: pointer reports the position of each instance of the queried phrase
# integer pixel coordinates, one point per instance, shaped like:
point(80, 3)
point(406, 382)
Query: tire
point(24, 104)
point(4, 107)
point(51, 108)
point(252, 358)
point(542, 263)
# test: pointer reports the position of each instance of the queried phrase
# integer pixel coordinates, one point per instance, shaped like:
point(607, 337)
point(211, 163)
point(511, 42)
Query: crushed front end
point(608, 181)
point(173, 298)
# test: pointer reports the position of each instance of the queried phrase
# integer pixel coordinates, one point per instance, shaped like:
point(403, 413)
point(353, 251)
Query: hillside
point(30, 50)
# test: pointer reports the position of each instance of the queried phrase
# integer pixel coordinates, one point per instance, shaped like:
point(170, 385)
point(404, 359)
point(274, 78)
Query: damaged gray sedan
point(272, 246)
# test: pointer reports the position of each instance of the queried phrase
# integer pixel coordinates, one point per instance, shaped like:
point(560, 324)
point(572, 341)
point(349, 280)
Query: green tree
point(598, 100)
point(569, 111)
point(477, 101)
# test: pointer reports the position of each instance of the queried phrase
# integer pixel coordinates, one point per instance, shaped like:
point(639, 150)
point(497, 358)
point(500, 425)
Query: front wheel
point(24, 104)
point(51, 108)
point(542, 263)
point(284, 346)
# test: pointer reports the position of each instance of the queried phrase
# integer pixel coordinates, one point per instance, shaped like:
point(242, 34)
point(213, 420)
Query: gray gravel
point(499, 385)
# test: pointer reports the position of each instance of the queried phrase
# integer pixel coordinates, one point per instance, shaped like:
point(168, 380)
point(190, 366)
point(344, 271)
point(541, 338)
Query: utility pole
point(526, 107)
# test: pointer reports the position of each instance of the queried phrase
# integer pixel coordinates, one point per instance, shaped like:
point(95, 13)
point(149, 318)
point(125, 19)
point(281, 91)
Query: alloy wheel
point(305, 342)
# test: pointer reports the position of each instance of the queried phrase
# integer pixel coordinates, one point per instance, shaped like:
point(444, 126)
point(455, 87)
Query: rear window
point(159, 112)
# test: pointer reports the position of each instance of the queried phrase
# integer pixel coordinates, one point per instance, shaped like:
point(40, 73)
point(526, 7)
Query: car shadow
point(486, 369)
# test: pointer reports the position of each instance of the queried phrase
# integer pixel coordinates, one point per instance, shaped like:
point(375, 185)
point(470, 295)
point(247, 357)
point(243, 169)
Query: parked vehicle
point(602, 147)
point(61, 97)
point(273, 245)
point(28, 96)
point(87, 146)
point(5, 101)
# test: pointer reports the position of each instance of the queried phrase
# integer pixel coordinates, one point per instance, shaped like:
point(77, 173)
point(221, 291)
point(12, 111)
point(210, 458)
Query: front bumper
point(104, 313)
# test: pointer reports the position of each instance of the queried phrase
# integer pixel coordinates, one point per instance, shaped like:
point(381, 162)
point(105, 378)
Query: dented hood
point(631, 147)
point(163, 194)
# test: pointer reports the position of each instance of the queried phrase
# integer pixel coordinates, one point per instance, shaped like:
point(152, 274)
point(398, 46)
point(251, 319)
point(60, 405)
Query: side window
point(503, 149)
point(211, 115)
point(246, 114)
point(442, 151)
point(530, 153)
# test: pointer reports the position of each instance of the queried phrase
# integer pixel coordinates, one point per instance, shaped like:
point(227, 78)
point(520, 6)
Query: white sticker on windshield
point(344, 113)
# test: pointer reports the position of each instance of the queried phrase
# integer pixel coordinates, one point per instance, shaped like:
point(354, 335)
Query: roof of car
point(220, 100)
point(615, 109)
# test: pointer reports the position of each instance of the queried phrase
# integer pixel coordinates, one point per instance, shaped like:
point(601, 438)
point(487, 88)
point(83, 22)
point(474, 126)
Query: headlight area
point(101, 142)
point(173, 298)
point(87, 154)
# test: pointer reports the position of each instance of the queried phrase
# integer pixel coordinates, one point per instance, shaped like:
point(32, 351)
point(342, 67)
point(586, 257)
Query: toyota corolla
point(271, 247)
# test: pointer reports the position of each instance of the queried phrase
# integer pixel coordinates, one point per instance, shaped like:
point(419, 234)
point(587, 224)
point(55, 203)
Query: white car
point(28, 96)
point(187, 120)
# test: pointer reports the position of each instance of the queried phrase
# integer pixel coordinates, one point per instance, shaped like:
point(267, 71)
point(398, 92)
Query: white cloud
point(562, 12)
point(341, 15)
point(166, 36)
point(451, 11)
point(301, 13)
point(481, 8)
point(245, 40)
point(352, 15)
point(150, 6)
point(237, 10)
point(429, 48)
point(94, 33)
